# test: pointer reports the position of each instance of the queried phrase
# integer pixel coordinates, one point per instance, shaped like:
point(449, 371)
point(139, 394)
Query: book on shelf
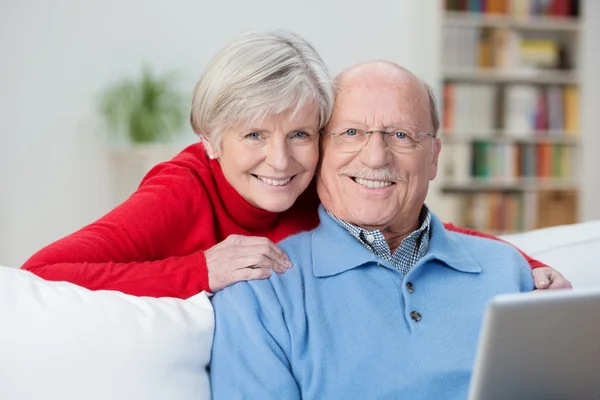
point(556, 208)
point(571, 110)
point(485, 114)
point(542, 109)
point(508, 212)
point(547, 111)
point(503, 49)
point(469, 107)
point(517, 8)
point(508, 163)
point(495, 212)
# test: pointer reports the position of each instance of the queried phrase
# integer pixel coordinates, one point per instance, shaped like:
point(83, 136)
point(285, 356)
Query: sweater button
point(416, 316)
point(410, 287)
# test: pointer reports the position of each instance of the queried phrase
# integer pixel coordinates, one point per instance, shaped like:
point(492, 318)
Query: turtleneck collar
point(239, 209)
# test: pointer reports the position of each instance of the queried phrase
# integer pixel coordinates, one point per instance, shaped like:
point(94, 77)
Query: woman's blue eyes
point(351, 132)
point(300, 135)
point(253, 135)
point(295, 135)
point(401, 135)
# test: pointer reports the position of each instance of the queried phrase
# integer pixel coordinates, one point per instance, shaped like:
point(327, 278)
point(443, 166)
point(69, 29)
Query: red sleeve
point(532, 262)
point(144, 247)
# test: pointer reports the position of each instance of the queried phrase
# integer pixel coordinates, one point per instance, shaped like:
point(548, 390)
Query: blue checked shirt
point(412, 248)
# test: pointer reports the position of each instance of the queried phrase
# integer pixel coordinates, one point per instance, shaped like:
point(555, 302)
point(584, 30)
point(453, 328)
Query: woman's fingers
point(243, 258)
point(549, 278)
point(262, 250)
point(248, 274)
point(260, 261)
point(264, 246)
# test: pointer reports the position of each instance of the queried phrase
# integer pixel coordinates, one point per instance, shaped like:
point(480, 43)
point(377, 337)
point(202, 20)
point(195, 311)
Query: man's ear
point(435, 155)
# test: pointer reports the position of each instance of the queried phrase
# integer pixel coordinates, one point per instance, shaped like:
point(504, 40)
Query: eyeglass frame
point(383, 132)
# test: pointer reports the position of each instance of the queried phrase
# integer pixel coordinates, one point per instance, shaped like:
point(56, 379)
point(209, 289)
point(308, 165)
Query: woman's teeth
point(275, 182)
point(372, 184)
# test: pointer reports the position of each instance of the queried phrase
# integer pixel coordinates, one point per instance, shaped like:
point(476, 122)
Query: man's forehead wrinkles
point(379, 116)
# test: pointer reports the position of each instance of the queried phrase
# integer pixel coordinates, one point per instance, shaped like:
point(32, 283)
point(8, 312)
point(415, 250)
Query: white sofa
point(60, 341)
point(574, 250)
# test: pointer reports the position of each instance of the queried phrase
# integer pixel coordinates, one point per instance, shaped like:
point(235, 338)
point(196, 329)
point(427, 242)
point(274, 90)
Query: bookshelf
point(510, 116)
point(510, 20)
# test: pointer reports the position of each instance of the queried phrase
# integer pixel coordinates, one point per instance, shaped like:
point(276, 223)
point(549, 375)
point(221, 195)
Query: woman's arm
point(545, 277)
point(179, 277)
point(147, 246)
point(532, 262)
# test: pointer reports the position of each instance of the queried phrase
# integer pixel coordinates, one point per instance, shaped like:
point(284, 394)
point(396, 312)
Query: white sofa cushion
point(574, 250)
point(61, 341)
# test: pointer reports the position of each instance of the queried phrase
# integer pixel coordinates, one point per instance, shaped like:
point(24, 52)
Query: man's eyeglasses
point(400, 140)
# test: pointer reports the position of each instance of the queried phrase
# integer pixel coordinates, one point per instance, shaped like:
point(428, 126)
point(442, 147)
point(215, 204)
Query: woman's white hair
point(257, 75)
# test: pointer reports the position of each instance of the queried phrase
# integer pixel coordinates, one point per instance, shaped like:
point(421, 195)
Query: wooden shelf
point(499, 137)
point(552, 24)
point(518, 76)
point(517, 185)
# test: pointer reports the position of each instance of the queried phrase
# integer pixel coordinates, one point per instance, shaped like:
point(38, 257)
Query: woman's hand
point(549, 278)
point(243, 258)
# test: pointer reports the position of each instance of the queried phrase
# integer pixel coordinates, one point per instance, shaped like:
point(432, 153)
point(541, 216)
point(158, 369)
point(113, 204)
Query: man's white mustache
point(386, 174)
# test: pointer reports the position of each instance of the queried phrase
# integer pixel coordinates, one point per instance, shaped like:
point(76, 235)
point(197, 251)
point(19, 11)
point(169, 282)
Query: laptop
point(539, 345)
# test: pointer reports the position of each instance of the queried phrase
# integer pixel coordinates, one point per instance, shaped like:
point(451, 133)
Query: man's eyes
point(351, 132)
point(395, 134)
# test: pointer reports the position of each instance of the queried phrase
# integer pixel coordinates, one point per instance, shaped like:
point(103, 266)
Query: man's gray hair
point(257, 75)
point(433, 109)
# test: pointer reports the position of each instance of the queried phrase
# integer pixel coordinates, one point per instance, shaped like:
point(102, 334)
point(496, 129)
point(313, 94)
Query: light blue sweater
point(338, 325)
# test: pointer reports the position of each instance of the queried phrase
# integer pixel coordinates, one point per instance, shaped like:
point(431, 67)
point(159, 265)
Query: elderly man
point(383, 302)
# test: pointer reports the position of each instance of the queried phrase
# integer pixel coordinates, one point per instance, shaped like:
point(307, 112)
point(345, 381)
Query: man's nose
point(375, 153)
point(278, 156)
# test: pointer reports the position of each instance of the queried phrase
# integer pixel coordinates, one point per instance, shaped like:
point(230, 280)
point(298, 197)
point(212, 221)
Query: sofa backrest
point(574, 250)
point(61, 341)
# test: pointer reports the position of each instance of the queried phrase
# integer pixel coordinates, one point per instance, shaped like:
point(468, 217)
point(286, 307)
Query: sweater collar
point(347, 253)
point(239, 209)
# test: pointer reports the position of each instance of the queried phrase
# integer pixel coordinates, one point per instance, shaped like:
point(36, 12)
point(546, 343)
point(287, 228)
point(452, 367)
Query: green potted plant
point(144, 113)
point(143, 110)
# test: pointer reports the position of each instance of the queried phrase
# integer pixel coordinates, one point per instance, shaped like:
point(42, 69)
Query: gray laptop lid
point(539, 345)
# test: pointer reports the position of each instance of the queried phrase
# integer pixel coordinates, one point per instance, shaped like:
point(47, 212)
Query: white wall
point(55, 55)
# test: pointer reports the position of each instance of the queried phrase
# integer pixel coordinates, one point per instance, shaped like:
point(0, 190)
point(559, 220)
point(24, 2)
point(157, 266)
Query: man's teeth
point(275, 182)
point(372, 184)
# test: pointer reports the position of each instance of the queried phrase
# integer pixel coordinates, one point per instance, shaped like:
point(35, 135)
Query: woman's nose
point(278, 156)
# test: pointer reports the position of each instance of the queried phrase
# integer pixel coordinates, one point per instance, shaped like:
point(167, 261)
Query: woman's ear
point(212, 153)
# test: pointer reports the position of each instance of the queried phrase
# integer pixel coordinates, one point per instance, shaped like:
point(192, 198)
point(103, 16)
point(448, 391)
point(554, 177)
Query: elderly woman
point(211, 216)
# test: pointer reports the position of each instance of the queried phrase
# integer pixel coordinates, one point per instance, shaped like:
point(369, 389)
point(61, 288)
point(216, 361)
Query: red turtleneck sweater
point(153, 244)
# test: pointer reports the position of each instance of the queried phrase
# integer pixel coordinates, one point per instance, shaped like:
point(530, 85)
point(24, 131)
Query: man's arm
point(251, 345)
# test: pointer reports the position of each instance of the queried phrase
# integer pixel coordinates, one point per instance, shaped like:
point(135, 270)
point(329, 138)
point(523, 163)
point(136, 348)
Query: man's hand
point(549, 278)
